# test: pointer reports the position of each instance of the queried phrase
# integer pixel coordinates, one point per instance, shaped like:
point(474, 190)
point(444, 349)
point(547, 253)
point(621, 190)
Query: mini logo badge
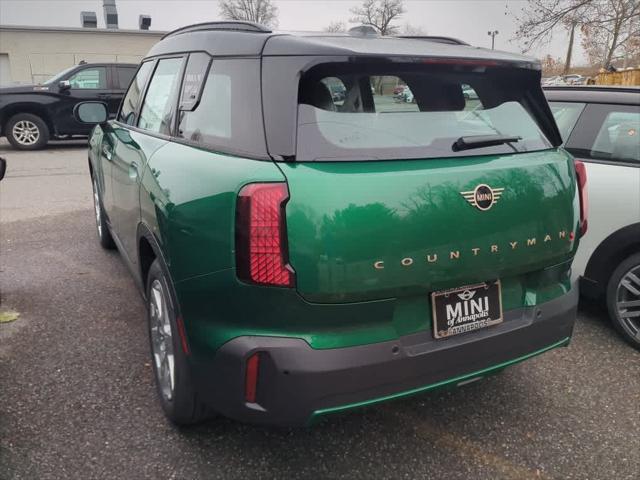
point(483, 197)
point(466, 295)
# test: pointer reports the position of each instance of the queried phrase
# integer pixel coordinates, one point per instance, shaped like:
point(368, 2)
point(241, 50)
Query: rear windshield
point(379, 112)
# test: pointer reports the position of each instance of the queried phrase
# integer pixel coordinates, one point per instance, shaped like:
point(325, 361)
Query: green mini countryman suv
point(303, 253)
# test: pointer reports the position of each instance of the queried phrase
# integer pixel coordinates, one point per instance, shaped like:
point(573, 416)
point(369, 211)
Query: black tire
point(102, 227)
point(180, 404)
point(18, 128)
point(628, 327)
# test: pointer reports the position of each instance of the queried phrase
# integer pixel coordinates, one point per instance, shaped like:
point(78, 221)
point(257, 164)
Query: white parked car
point(601, 127)
point(574, 79)
point(556, 80)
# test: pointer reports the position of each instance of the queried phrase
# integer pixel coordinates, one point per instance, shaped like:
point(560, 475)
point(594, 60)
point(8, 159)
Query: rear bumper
point(590, 288)
point(298, 383)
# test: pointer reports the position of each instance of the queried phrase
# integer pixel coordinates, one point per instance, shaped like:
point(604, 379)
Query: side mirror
point(91, 112)
point(64, 85)
point(3, 167)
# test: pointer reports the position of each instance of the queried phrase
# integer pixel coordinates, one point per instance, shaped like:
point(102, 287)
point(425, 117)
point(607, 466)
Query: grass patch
point(8, 316)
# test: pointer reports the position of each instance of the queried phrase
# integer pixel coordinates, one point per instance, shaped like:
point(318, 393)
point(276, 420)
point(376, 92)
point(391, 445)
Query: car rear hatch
point(372, 230)
point(458, 182)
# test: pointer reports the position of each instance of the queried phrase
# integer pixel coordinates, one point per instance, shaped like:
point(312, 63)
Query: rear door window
point(412, 112)
point(608, 133)
point(619, 137)
point(131, 101)
point(193, 81)
point(159, 104)
point(228, 115)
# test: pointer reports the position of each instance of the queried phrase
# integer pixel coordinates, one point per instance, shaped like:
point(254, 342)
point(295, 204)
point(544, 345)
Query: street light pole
point(493, 34)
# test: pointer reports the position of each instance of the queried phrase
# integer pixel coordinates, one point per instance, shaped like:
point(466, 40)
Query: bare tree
point(379, 14)
point(613, 31)
point(632, 52)
point(551, 66)
point(617, 22)
point(336, 27)
point(412, 30)
point(259, 11)
point(541, 18)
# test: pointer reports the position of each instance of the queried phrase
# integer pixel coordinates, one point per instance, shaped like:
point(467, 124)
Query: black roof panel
point(221, 42)
point(344, 44)
point(245, 39)
point(230, 25)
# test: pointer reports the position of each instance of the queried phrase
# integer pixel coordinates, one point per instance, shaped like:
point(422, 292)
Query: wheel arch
point(32, 108)
point(607, 256)
point(148, 249)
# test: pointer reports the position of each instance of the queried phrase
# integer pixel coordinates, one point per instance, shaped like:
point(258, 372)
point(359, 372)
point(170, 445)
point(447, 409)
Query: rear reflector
point(183, 335)
point(251, 378)
point(261, 235)
point(581, 174)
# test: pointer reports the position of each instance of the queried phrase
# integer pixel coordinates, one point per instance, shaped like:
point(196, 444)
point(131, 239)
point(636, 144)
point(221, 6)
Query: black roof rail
point(448, 40)
point(230, 25)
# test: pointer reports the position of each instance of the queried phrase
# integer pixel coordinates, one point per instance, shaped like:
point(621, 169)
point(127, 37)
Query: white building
point(33, 54)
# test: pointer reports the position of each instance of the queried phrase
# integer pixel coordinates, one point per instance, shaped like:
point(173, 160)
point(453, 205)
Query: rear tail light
point(251, 378)
point(261, 235)
point(581, 174)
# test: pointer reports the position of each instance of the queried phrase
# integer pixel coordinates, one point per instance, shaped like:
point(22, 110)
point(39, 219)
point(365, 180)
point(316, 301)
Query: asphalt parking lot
point(77, 399)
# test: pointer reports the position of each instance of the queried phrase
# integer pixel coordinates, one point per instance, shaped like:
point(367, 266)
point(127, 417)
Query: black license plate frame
point(470, 308)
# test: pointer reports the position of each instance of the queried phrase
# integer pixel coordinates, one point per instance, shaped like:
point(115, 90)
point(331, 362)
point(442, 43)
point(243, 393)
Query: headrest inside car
point(433, 96)
point(317, 94)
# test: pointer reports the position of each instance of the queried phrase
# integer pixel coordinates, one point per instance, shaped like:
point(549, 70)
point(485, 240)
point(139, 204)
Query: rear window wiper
point(479, 141)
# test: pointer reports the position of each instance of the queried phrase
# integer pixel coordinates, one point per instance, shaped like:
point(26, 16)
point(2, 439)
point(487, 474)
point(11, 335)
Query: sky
point(469, 20)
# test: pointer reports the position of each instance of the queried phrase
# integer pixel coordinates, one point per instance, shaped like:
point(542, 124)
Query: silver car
point(601, 128)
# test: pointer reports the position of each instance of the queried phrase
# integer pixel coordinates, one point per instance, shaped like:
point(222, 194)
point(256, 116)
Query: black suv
point(32, 114)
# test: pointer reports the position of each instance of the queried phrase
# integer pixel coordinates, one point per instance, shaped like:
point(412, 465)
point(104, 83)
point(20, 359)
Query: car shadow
point(475, 425)
point(438, 421)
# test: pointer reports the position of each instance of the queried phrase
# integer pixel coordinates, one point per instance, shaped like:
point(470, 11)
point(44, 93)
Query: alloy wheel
point(161, 339)
point(628, 302)
point(26, 132)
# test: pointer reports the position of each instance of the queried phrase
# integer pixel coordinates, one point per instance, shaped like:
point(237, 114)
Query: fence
point(626, 77)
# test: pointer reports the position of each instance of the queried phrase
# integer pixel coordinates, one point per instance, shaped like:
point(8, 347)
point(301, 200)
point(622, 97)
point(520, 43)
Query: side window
point(619, 137)
point(193, 80)
point(159, 102)
point(228, 115)
point(566, 115)
point(124, 74)
point(92, 78)
point(607, 132)
point(132, 98)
